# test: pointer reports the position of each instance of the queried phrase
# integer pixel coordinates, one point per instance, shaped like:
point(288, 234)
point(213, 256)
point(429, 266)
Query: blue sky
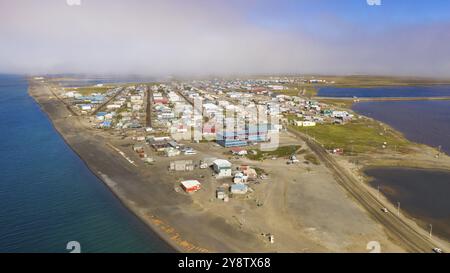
point(314, 15)
point(405, 37)
point(356, 11)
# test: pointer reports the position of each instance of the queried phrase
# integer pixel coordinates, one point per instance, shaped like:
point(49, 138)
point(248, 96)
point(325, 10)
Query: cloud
point(204, 38)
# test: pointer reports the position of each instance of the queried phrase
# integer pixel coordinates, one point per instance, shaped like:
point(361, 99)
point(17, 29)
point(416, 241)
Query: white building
point(86, 107)
point(308, 123)
point(222, 168)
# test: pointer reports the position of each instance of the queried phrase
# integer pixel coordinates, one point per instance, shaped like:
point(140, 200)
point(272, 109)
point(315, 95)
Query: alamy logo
point(374, 247)
point(74, 247)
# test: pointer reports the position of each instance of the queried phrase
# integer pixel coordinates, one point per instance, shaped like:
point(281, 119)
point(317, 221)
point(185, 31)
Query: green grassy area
point(359, 136)
point(375, 81)
point(306, 89)
point(310, 157)
point(284, 151)
point(310, 92)
point(87, 90)
point(288, 92)
point(347, 104)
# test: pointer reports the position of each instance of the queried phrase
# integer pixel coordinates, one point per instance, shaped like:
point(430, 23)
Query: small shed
point(190, 186)
point(238, 151)
point(220, 193)
point(170, 152)
point(182, 165)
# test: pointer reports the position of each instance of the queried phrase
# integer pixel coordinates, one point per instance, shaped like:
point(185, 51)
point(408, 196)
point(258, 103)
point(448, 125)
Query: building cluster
point(232, 182)
point(307, 113)
point(233, 113)
point(127, 109)
point(87, 104)
point(118, 108)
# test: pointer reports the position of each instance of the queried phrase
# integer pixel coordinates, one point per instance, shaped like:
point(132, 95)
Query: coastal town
point(226, 134)
point(171, 119)
point(250, 158)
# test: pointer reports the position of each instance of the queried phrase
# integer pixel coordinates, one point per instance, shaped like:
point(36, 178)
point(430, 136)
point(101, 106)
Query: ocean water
point(48, 197)
point(404, 91)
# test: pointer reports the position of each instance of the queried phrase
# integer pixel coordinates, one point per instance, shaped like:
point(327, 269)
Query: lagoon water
point(48, 196)
point(425, 122)
point(388, 92)
point(424, 194)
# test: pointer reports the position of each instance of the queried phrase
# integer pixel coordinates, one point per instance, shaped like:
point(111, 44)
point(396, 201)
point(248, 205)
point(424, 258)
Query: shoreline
point(156, 206)
point(116, 193)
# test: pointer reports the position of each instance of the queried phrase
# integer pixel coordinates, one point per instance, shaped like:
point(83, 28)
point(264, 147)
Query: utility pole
point(378, 193)
point(431, 230)
point(398, 208)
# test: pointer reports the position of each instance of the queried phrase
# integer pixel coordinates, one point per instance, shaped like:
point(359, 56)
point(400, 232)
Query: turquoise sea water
point(48, 196)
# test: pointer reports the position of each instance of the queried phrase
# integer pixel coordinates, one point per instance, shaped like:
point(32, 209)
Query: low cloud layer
point(206, 38)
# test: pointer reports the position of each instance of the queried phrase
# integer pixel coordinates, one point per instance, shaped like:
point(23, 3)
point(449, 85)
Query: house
point(170, 152)
point(105, 124)
point(298, 123)
point(220, 193)
point(222, 167)
point(304, 123)
point(240, 178)
point(138, 148)
point(182, 165)
point(308, 124)
point(174, 144)
point(113, 106)
point(276, 87)
point(249, 172)
point(208, 161)
point(338, 151)
point(160, 100)
point(209, 129)
point(86, 107)
point(159, 146)
point(136, 107)
point(101, 116)
point(238, 151)
point(190, 186)
point(239, 189)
